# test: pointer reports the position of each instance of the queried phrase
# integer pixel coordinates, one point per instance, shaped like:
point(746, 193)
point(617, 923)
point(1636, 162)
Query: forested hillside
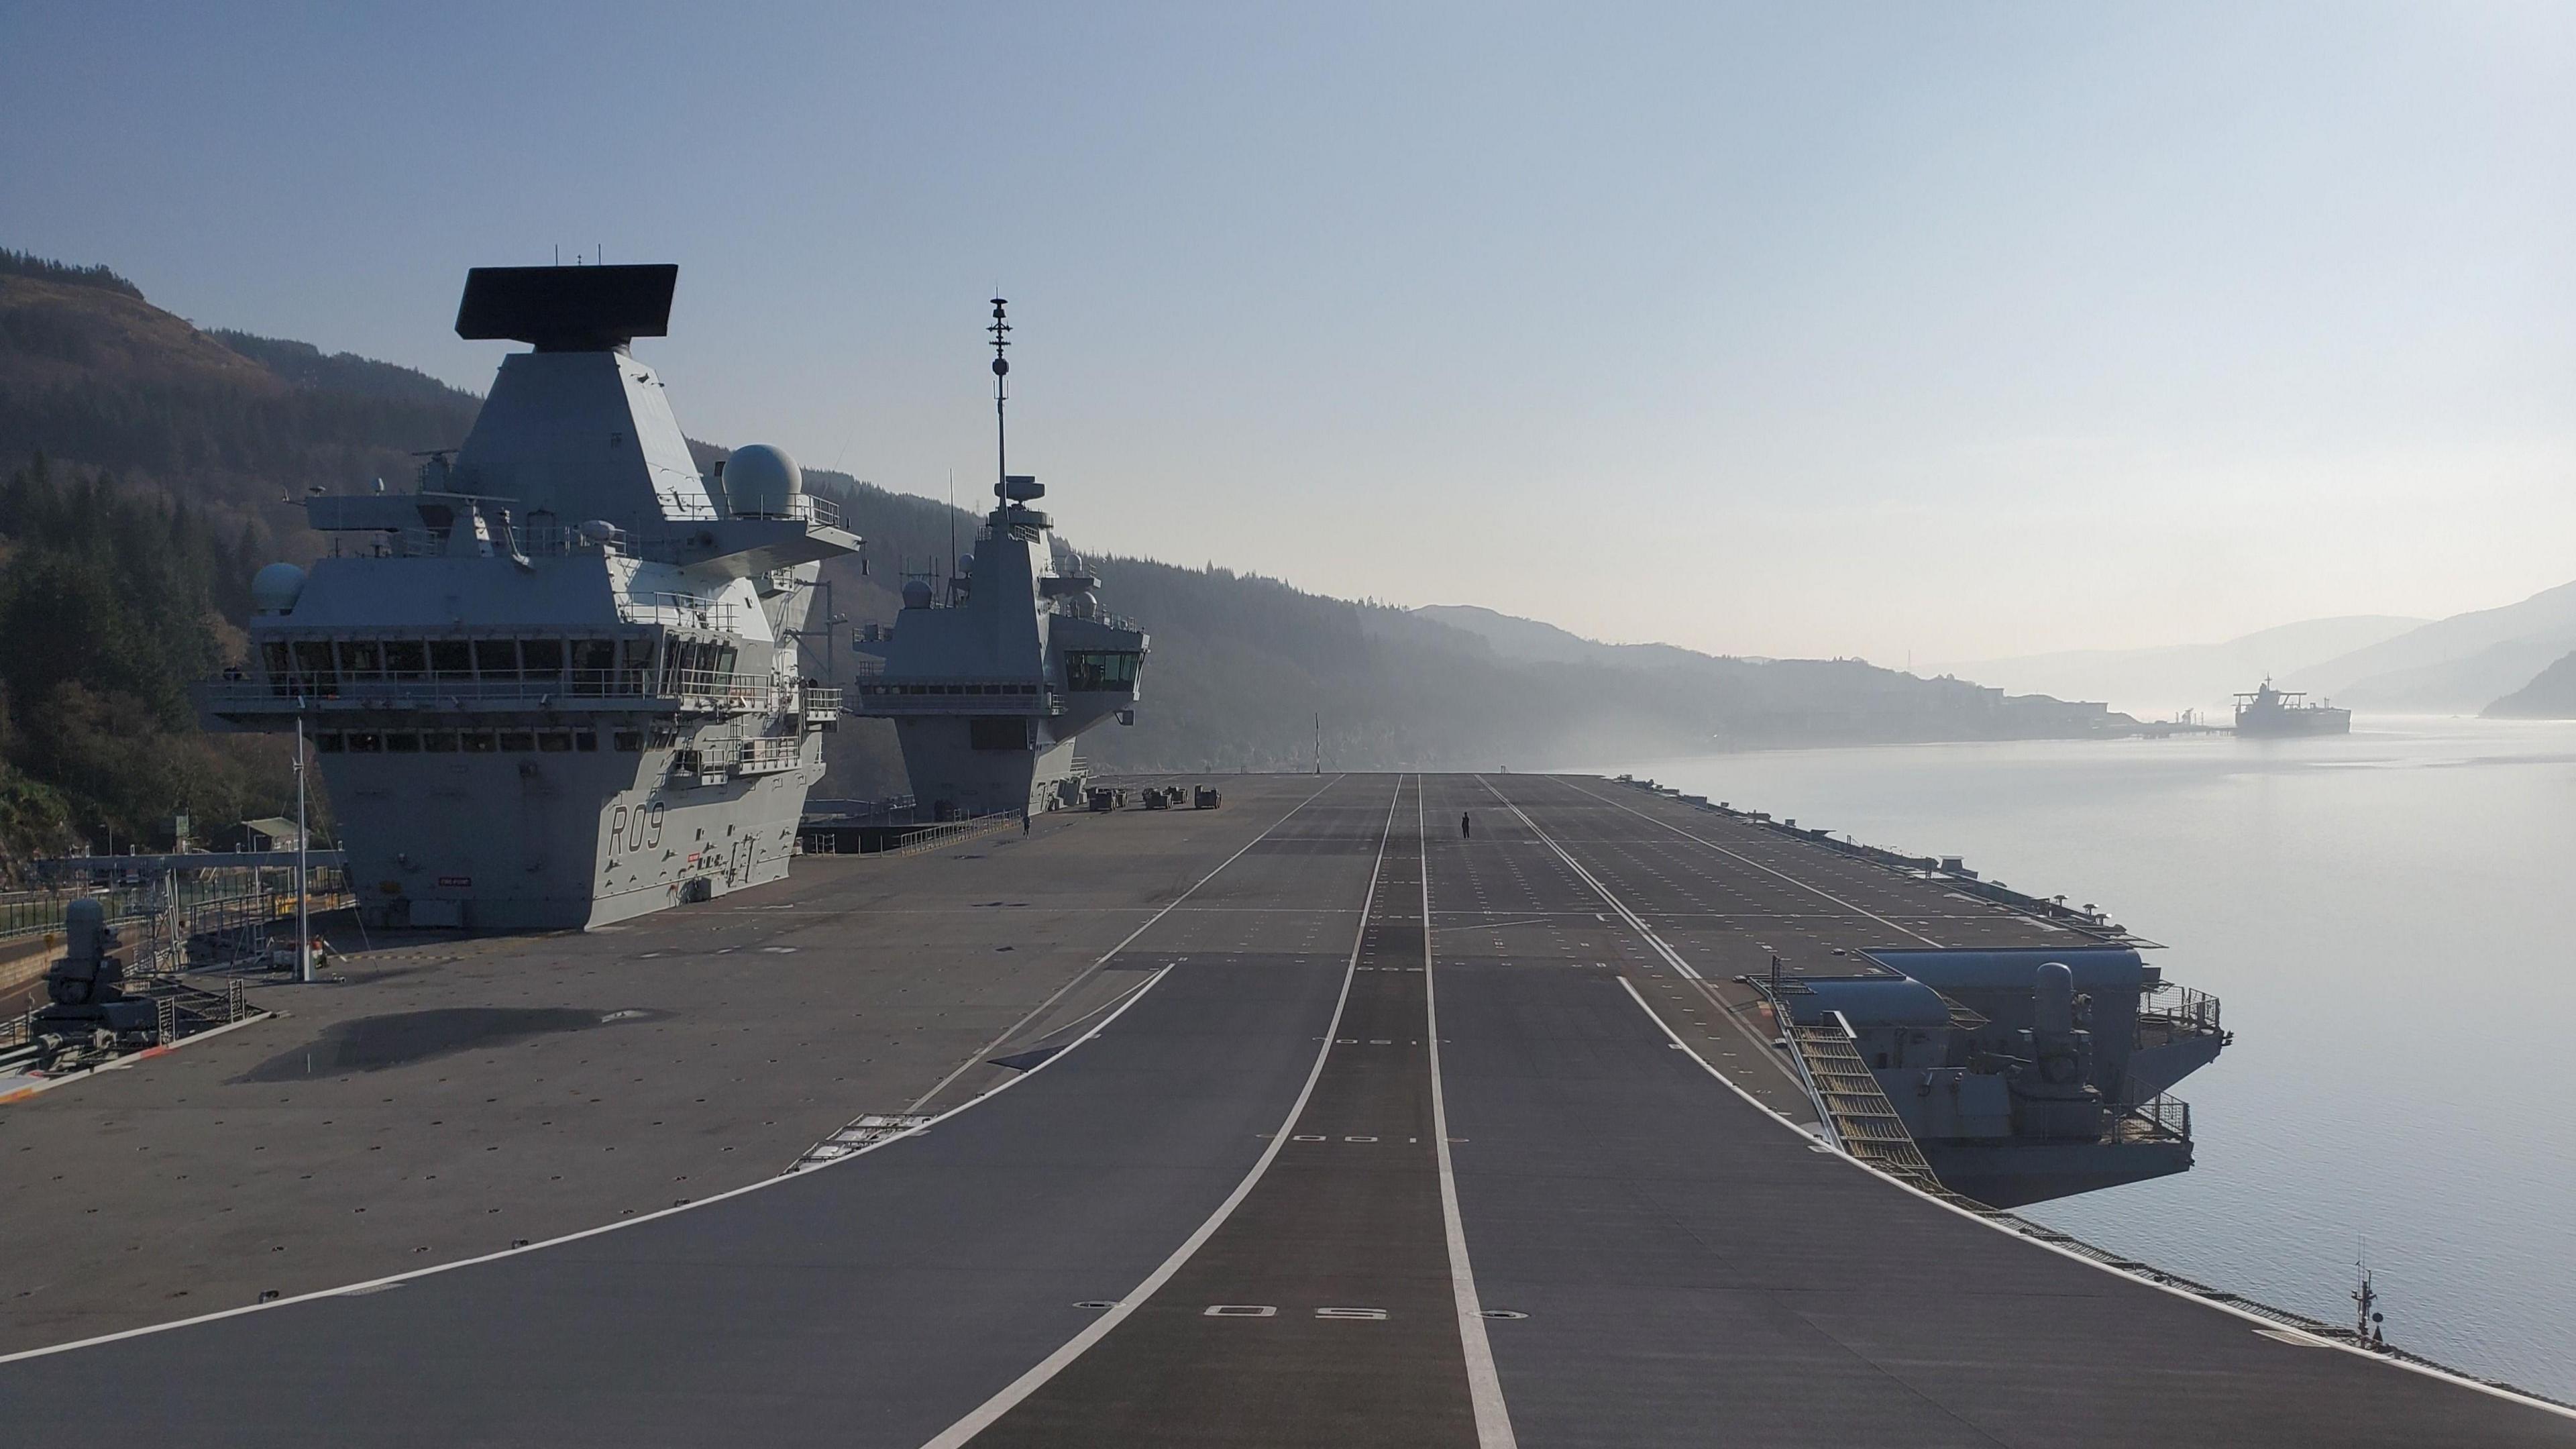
point(111, 599)
point(95, 377)
point(153, 467)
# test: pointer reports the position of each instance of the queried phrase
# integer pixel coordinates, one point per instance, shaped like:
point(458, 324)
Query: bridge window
point(479, 742)
point(1099, 669)
point(360, 659)
point(517, 742)
point(402, 742)
point(541, 658)
point(327, 742)
point(496, 658)
point(406, 658)
point(313, 661)
point(438, 742)
point(364, 743)
point(450, 659)
point(628, 741)
point(594, 663)
point(554, 742)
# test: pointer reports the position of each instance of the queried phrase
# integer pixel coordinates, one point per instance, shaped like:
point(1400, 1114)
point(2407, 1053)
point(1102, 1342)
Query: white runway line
point(1484, 1383)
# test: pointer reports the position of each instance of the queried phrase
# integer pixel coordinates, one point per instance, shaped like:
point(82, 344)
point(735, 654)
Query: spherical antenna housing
point(762, 482)
point(916, 593)
point(274, 589)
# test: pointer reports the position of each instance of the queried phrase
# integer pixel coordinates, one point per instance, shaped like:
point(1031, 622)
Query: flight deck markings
point(986, 1414)
point(1484, 1381)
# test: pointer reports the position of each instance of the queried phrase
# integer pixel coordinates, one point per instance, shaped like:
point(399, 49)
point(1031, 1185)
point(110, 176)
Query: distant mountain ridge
point(2453, 665)
point(2550, 695)
point(2187, 676)
point(94, 376)
point(125, 400)
point(1541, 643)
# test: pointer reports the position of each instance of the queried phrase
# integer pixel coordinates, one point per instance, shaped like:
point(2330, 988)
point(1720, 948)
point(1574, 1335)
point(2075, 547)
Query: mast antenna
point(1001, 330)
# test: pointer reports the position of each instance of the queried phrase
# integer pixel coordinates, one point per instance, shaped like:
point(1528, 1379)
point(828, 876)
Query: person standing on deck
point(1466, 826)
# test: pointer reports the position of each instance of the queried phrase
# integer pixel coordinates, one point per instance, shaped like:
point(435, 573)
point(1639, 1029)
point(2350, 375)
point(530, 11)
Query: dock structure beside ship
point(1404, 1109)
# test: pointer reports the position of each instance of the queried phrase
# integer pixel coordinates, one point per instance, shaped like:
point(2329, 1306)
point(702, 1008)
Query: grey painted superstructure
point(992, 671)
point(558, 684)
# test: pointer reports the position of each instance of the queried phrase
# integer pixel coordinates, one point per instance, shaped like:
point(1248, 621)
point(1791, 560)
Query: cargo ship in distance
point(2269, 711)
point(559, 683)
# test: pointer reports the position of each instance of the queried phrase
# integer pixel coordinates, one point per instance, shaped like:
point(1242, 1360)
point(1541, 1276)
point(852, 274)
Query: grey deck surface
point(1695, 1273)
point(1686, 1267)
point(455, 1096)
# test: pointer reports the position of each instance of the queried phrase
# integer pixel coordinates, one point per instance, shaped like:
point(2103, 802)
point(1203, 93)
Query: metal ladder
point(1856, 1112)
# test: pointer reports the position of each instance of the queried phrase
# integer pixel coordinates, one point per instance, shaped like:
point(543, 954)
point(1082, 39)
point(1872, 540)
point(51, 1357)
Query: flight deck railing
point(680, 611)
point(804, 507)
point(2180, 1011)
point(687, 689)
point(2160, 1118)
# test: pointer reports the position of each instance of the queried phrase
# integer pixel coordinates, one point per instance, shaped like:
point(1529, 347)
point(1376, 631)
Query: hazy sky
point(1941, 330)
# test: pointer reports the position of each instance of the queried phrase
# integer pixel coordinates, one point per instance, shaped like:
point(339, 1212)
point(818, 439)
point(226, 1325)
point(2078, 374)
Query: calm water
point(2391, 922)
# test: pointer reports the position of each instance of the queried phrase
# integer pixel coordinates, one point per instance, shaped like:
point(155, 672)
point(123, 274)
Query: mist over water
point(2390, 921)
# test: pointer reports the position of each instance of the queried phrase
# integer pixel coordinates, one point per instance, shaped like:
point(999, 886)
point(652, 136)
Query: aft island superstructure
point(991, 672)
point(559, 683)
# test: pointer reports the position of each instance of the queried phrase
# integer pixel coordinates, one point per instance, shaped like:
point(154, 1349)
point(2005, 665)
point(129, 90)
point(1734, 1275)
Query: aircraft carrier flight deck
point(1365, 1109)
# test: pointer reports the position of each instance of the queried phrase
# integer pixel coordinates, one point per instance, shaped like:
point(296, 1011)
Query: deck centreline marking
point(1485, 1385)
point(1325, 1310)
point(993, 1413)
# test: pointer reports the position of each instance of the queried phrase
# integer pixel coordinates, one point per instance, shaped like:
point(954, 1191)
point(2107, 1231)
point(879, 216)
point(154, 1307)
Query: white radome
point(762, 481)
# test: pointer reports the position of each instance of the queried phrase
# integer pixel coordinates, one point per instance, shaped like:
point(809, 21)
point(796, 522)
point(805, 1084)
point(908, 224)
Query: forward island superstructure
point(991, 672)
point(558, 684)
